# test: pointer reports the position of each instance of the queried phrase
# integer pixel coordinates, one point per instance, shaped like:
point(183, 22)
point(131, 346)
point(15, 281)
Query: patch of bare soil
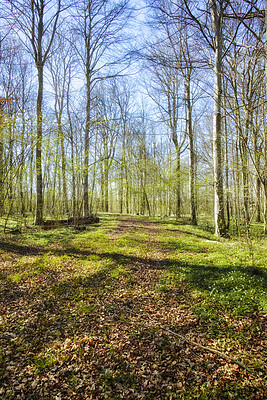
point(126, 224)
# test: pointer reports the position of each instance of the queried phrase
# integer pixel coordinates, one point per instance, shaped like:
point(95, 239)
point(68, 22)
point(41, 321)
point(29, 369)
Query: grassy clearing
point(82, 313)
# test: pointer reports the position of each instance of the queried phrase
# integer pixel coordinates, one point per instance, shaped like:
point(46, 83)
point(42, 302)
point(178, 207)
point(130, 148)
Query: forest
point(133, 199)
point(98, 117)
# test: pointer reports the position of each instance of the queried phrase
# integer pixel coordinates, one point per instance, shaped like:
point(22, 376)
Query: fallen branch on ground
point(219, 353)
point(206, 348)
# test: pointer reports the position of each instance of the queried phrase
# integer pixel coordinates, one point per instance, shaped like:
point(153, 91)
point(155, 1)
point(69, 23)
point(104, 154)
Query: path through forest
point(116, 312)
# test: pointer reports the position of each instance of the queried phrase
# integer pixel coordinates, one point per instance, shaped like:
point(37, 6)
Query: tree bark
point(39, 180)
point(265, 136)
point(86, 147)
point(63, 167)
point(1, 160)
point(192, 158)
point(220, 227)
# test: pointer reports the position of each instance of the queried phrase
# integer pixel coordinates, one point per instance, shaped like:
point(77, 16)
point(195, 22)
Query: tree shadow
point(19, 249)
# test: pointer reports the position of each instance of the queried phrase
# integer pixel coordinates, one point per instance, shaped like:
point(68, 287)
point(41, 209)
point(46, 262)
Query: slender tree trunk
point(56, 182)
point(31, 172)
point(106, 183)
point(220, 227)
point(237, 184)
point(102, 182)
point(265, 136)
point(256, 149)
point(127, 194)
point(63, 167)
point(128, 190)
point(264, 181)
point(73, 175)
point(86, 137)
point(21, 175)
point(244, 161)
point(1, 160)
point(74, 205)
point(258, 199)
point(122, 170)
point(92, 188)
point(192, 167)
point(178, 183)
point(39, 180)
point(10, 155)
point(121, 190)
point(226, 157)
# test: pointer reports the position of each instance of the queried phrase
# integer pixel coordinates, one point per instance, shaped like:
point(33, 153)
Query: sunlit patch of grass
point(15, 278)
point(118, 271)
point(27, 268)
point(226, 275)
point(110, 381)
point(93, 258)
point(91, 241)
point(44, 361)
point(133, 238)
point(87, 308)
point(12, 223)
point(182, 244)
point(55, 354)
point(231, 390)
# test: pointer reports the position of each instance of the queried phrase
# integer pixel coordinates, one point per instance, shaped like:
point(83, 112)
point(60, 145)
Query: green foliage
point(44, 361)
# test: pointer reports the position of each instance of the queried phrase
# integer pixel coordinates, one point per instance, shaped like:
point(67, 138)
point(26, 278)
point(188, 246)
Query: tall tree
point(37, 20)
point(99, 24)
point(178, 54)
point(60, 67)
point(214, 38)
point(217, 12)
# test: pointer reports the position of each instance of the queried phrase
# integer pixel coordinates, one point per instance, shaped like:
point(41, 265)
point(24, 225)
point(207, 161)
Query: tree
point(215, 40)
point(217, 13)
point(165, 90)
point(107, 135)
point(60, 67)
point(177, 53)
point(36, 21)
point(98, 24)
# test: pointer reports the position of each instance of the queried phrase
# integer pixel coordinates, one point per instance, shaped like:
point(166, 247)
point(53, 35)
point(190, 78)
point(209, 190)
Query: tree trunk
point(178, 183)
point(264, 178)
point(265, 137)
point(226, 158)
point(31, 171)
point(86, 153)
point(122, 170)
point(21, 174)
point(39, 180)
point(1, 159)
point(63, 168)
point(192, 158)
point(106, 181)
point(220, 227)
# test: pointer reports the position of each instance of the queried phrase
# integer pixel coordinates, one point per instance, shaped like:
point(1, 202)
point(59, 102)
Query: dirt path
point(126, 224)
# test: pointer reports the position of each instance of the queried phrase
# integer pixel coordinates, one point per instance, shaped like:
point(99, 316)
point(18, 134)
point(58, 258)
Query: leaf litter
point(100, 335)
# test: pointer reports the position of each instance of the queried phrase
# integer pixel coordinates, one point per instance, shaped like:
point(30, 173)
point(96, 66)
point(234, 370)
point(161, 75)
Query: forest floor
point(132, 308)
